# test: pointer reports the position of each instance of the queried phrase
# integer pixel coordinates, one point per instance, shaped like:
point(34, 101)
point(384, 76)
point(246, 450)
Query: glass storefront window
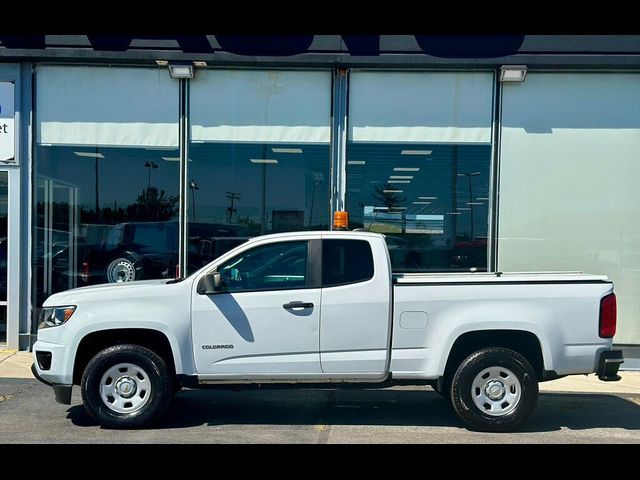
point(258, 157)
point(4, 251)
point(106, 177)
point(418, 163)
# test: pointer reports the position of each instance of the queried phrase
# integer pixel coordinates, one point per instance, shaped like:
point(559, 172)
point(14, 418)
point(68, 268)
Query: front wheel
point(494, 390)
point(126, 386)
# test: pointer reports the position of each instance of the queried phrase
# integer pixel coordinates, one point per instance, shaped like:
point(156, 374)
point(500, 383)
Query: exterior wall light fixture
point(180, 70)
point(513, 73)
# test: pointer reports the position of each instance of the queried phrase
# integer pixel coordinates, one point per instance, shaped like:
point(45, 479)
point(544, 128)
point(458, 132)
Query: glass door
point(58, 265)
point(4, 217)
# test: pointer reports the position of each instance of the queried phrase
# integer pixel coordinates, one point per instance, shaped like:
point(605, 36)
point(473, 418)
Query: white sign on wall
point(7, 132)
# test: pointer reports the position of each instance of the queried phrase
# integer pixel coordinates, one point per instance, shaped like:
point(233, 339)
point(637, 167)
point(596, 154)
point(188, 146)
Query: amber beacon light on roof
point(340, 220)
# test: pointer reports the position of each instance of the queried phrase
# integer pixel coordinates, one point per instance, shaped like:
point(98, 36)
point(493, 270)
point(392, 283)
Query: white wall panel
point(570, 181)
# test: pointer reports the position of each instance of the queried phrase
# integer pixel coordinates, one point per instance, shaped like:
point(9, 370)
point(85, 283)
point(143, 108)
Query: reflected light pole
point(97, 170)
point(313, 198)
point(193, 186)
point(469, 175)
point(232, 196)
point(150, 165)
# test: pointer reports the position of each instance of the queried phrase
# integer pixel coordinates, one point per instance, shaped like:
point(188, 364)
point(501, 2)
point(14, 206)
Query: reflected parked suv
point(146, 250)
point(469, 254)
point(208, 241)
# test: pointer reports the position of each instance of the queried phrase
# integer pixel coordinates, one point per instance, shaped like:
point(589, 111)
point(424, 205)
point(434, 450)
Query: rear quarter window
point(346, 261)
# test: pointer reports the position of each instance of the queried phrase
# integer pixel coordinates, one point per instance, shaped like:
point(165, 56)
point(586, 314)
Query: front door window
point(268, 267)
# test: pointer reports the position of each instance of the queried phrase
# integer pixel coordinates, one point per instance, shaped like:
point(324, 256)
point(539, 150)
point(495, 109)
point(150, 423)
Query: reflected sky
point(283, 182)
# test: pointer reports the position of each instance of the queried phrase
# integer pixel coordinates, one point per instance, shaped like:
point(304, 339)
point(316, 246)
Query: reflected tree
point(246, 220)
point(153, 204)
point(253, 226)
point(387, 197)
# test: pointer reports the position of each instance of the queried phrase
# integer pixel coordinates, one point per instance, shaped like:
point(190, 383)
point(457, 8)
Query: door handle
point(291, 305)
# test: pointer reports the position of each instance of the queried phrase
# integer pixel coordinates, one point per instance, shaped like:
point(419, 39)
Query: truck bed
point(560, 308)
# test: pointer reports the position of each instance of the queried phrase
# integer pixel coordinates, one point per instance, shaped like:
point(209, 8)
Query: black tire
point(161, 386)
point(462, 390)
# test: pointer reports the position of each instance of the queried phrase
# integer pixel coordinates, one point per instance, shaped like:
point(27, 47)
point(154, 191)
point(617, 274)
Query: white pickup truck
point(323, 310)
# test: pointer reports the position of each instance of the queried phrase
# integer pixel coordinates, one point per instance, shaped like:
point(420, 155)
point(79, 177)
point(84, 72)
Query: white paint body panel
point(357, 332)
point(146, 304)
point(266, 338)
point(563, 316)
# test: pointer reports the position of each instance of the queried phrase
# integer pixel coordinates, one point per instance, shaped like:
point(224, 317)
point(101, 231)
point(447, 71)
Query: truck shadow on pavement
point(193, 408)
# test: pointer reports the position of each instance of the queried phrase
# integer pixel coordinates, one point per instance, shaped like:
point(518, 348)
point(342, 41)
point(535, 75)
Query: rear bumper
point(608, 365)
point(61, 392)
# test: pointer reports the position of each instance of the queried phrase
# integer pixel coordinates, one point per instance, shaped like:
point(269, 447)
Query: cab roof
point(316, 234)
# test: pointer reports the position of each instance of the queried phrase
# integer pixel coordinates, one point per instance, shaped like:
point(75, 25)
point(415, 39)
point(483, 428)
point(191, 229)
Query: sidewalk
point(630, 383)
point(18, 365)
point(15, 364)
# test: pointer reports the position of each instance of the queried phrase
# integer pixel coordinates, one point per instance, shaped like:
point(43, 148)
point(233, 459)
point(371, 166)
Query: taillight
point(608, 316)
point(177, 271)
point(84, 272)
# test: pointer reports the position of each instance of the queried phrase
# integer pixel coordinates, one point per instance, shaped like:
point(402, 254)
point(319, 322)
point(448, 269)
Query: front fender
point(178, 349)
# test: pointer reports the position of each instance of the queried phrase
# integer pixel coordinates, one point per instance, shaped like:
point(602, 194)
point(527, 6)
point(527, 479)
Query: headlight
point(54, 316)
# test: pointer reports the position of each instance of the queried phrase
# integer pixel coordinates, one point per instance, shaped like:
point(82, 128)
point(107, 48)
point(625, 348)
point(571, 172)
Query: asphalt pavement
point(29, 414)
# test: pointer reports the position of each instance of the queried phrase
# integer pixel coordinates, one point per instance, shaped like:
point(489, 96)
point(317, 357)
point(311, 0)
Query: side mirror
point(209, 284)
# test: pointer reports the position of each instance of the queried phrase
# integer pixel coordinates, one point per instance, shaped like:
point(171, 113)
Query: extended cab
point(324, 309)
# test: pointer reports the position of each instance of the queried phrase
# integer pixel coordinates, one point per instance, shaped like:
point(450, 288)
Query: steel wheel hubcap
point(496, 391)
point(121, 271)
point(125, 388)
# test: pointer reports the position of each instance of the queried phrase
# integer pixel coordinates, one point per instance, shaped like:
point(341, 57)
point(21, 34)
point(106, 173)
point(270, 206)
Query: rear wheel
point(494, 390)
point(126, 386)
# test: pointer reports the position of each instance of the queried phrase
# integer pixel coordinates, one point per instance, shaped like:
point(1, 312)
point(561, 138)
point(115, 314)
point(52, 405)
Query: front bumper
point(60, 369)
point(608, 365)
point(61, 392)
point(59, 374)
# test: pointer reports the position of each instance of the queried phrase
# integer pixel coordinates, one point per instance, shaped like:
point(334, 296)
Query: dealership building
point(137, 157)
